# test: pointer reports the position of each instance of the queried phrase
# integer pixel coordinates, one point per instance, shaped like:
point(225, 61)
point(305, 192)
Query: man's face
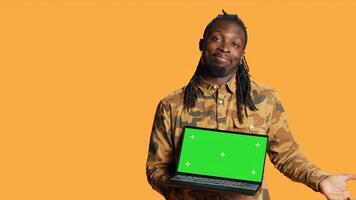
point(222, 49)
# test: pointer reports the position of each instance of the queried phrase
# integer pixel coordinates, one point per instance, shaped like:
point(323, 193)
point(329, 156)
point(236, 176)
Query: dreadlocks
point(243, 89)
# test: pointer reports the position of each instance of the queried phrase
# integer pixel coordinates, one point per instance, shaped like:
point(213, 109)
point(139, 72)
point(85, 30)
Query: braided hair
point(243, 89)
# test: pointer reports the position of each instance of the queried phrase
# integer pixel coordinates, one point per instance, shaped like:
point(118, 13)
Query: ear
point(201, 43)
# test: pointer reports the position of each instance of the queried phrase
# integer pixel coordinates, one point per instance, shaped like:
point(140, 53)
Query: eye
point(235, 45)
point(215, 38)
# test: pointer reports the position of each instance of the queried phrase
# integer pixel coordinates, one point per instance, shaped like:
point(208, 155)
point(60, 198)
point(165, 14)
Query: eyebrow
point(238, 35)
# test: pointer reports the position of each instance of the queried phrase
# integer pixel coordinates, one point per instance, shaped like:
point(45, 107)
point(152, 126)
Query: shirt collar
point(205, 85)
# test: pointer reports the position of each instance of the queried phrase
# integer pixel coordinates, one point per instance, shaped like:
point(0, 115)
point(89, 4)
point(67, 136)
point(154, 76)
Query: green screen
point(221, 154)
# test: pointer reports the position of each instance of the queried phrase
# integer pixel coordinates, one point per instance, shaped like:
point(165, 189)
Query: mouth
point(220, 58)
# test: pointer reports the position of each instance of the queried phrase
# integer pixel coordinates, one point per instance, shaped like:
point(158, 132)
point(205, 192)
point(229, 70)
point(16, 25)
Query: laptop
point(219, 160)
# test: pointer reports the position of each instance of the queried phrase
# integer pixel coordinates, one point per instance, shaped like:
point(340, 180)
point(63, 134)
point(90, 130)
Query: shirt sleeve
point(284, 153)
point(160, 154)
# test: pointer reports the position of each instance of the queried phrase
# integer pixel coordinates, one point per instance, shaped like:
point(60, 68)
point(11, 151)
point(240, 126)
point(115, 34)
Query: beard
point(212, 68)
point(215, 70)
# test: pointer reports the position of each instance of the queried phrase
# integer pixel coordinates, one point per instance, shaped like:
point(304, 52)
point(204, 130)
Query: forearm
point(157, 177)
point(293, 164)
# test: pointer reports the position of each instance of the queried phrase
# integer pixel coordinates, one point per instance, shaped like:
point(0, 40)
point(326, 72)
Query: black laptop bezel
point(218, 177)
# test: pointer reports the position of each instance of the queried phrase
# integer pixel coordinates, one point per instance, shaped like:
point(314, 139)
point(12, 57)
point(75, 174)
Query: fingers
point(351, 177)
point(347, 195)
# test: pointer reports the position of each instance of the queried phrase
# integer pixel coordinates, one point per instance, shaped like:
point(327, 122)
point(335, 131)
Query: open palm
point(334, 187)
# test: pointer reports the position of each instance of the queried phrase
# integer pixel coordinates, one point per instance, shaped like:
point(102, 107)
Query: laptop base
point(213, 184)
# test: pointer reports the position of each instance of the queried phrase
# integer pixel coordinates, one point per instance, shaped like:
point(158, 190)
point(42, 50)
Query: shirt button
point(215, 87)
point(220, 101)
point(251, 127)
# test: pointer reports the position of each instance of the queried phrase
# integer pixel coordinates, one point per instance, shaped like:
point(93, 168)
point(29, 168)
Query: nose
point(223, 47)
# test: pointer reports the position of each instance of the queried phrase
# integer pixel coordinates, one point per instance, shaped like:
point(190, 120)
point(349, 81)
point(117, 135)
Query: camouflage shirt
point(215, 107)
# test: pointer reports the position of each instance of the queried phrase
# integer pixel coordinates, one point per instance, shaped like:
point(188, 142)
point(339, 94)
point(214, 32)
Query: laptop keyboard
point(216, 182)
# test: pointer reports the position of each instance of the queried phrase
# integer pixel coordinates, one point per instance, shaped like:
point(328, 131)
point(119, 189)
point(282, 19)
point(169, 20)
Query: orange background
point(80, 81)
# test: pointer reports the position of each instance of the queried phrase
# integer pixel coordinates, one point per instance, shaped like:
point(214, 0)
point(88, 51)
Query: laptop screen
point(223, 154)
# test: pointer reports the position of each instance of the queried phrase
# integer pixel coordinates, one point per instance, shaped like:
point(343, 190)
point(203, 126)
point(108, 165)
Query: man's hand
point(334, 187)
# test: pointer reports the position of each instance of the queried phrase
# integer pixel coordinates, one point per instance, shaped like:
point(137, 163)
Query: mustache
point(221, 55)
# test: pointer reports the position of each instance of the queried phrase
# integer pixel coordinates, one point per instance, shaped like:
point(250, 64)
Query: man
point(221, 95)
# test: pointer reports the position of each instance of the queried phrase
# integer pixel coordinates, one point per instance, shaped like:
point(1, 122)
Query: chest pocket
point(252, 124)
